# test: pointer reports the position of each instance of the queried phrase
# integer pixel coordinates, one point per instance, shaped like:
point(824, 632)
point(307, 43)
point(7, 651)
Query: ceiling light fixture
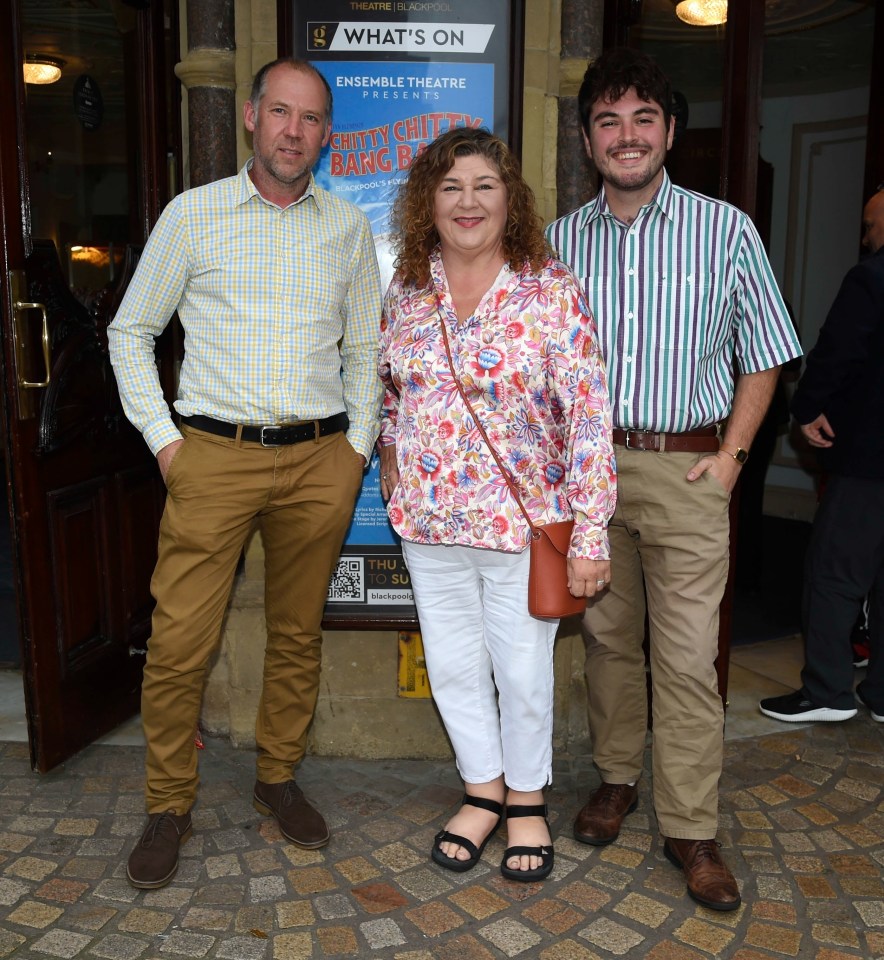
point(702, 13)
point(42, 69)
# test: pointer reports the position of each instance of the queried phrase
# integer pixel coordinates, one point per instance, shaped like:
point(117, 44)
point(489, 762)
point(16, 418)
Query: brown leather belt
point(701, 440)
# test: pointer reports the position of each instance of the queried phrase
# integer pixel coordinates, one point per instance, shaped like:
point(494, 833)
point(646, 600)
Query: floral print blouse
point(529, 362)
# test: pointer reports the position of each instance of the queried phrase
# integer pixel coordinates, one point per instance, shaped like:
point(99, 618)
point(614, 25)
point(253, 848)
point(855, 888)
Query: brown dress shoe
point(299, 822)
point(709, 880)
point(602, 816)
point(154, 861)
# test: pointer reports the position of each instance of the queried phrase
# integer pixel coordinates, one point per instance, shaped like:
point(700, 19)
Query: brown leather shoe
point(154, 861)
point(709, 880)
point(602, 816)
point(298, 821)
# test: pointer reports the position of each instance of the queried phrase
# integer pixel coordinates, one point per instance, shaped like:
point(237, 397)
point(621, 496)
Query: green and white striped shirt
point(281, 313)
point(680, 296)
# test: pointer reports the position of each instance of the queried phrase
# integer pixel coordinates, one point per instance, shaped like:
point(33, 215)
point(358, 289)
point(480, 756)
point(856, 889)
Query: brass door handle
point(33, 384)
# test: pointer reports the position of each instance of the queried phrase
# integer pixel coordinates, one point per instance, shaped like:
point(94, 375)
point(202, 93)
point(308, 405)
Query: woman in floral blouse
point(471, 255)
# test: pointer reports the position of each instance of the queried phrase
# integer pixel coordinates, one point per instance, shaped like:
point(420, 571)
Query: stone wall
point(359, 711)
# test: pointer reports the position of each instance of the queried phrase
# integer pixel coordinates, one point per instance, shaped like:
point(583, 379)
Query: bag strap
point(503, 470)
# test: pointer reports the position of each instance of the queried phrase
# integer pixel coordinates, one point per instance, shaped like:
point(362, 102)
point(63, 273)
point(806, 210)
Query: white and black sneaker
point(797, 708)
point(877, 717)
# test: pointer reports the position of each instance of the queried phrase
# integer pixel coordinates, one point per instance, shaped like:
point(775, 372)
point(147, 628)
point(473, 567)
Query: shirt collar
point(246, 189)
point(598, 206)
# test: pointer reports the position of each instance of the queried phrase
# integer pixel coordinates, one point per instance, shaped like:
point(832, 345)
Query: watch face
point(741, 456)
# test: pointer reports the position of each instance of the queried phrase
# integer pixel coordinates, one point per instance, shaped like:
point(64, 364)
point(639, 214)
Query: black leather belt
point(700, 440)
point(274, 435)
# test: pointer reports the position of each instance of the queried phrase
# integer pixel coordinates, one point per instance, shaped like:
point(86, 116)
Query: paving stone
point(334, 907)
point(146, 921)
point(510, 936)
point(553, 916)
point(382, 933)
point(357, 869)
point(254, 919)
point(397, 857)
point(292, 946)
point(15, 842)
point(9, 942)
point(479, 902)
point(843, 936)
point(66, 891)
point(427, 883)
point(11, 891)
point(705, 936)
point(87, 868)
point(61, 943)
point(227, 865)
point(295, 914)
point(88, 916)
point(31, 868)
point(378, 898)
point(612, 937)
point(338, 941)
point(185, 944)
point(643, 910)
point(242, 948)
point(871, 912)
point(33, 914)
point(779, 939)
point(264, 889)
point(116, 947)
point(170, 898)
point(207, 918)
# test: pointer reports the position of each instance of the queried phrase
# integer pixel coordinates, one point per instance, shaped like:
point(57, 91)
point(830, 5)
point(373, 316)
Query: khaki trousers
point(669, 557)
point(302, 498)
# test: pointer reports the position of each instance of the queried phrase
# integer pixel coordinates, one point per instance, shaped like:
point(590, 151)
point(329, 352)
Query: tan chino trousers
point(302, 498)
point(669, 543)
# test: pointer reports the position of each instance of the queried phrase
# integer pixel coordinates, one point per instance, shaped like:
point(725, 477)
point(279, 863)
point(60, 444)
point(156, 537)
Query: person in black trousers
point(839, 405)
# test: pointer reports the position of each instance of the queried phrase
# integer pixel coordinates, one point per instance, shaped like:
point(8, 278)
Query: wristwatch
point(740, 455)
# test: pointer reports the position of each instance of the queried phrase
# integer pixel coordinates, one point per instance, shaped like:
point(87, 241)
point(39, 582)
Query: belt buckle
point(631, 433)
point(265, 442)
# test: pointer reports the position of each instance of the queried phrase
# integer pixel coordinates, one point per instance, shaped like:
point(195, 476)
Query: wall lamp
point(42, 69)
point(702, 13)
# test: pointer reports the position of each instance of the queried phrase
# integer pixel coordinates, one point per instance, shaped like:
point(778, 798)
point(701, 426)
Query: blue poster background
point(384, 113)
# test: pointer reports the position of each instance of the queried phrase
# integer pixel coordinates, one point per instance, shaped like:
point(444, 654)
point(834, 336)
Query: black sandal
point(546, 854)
point(443, 836)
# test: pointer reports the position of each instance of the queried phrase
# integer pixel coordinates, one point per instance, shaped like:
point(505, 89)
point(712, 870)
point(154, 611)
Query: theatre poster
point(401, 73)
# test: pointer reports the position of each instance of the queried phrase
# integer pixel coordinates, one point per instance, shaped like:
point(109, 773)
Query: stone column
point(208, 72)
point(576, 180)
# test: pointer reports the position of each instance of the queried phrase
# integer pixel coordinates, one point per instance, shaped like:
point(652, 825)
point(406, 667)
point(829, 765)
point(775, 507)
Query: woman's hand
point(389, 470)
point(588, 578)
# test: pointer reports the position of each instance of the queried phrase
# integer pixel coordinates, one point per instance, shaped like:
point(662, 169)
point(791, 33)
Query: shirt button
point(629, 359)
point(631, 272)
point(630, 315)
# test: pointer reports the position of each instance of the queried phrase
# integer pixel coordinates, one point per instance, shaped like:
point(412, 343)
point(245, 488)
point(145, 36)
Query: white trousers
point(489, 661)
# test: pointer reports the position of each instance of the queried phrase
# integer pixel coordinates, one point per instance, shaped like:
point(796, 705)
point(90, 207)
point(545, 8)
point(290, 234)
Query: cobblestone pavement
point(802, 828)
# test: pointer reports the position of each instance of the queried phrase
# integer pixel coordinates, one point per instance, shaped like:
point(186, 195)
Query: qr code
point(347, 584)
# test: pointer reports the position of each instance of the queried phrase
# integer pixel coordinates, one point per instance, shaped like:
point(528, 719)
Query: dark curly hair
point(413, 215)
point(610, 76)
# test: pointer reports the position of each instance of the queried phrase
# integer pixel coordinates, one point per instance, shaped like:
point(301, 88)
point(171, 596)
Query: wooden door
point(84, 168)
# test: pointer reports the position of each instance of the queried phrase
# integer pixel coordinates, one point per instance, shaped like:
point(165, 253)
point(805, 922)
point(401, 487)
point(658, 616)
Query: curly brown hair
point(610, 76)
point(413, 215)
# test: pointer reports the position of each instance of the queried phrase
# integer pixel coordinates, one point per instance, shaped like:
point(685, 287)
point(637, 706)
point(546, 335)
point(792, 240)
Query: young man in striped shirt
point(693, 330)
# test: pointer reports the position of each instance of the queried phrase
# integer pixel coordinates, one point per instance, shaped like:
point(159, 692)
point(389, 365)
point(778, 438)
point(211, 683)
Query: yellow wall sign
point(413, 679)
